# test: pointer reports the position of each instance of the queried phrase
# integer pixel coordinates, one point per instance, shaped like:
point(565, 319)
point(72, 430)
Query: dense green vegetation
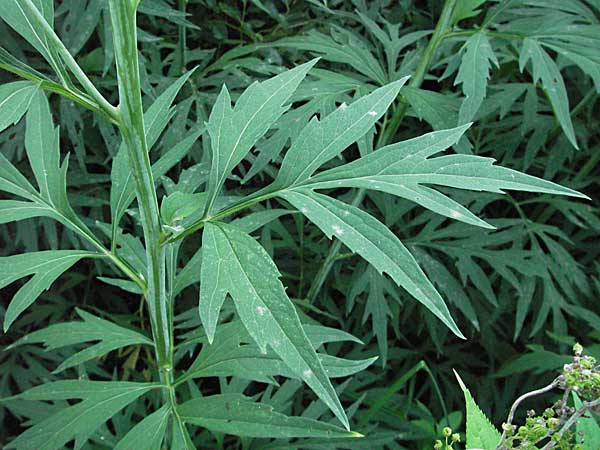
point(275, 224)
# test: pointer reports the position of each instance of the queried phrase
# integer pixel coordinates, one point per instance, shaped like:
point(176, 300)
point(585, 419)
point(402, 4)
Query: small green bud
point(438, 445)
point(553, 423)
point(447, 432)
point(456, 437)
point(578, 349)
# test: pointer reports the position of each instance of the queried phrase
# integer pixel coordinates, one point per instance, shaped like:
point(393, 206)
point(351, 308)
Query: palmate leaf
point(404, 168)
point(474, 73)
point(101, 400)
point(365, 235)
point(233, 131)
point(238, 415)
point(45, 267)
point(110, 335)
point(14, 101)
point(320, 141)
point(147, 434)
point(235, 264)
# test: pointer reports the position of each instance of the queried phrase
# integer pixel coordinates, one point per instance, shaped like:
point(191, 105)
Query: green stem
point(50, 86)
point(69, 60)
point(439, 33)
point(331, 257)
point(255, 198)
point(494, 34)
point(378, 404)
point(123, 17)
point(182, 42)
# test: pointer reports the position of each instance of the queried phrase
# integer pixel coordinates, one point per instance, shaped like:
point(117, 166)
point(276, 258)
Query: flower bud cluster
point(450, 439)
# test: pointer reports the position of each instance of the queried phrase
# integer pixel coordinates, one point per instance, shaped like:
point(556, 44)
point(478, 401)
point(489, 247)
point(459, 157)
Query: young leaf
point(320, 141)
point(545, 68)
point(234, 263)
point(101, 400)
point(14, 101)
point(238, 415)
point(156, 118)
point(474, 73)
point(45, 267)
point(403, 168)
point(92, 328)
point(365, 235)
point(233, 131)
point(147, 434)
point(480, 432)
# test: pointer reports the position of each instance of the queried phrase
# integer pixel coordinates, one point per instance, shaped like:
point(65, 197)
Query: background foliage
point(525, 72)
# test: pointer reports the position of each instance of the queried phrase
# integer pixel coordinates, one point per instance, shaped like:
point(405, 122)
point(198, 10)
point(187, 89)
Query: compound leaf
point(320, 141)
point(235, 264)
point(238, 415)
point(110, 335)
point(45, 266)
point(365, 235)
point(101, 400)
point(233, 131)
point(404, 168)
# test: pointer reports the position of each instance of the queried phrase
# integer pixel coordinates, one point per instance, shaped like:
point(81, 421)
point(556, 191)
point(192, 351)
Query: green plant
point(222, 191)
point(554, 427)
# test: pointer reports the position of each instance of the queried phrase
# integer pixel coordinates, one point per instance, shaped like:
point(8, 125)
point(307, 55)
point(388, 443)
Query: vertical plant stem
point(69, 60)
point(388, 132)
point(417, 78)
point(182, 42)
point(123, 17)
